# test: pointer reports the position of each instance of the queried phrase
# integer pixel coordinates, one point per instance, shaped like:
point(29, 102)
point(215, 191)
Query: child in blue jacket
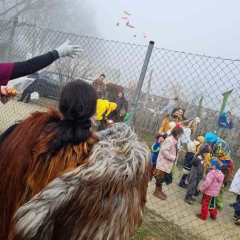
point(155, 150)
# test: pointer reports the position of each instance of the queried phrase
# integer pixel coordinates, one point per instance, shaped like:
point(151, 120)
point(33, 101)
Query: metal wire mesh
point(198, 81)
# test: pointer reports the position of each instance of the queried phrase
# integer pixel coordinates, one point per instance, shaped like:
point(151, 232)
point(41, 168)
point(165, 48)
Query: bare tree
point(75, 16)
point(17, 8)
point(87, 71)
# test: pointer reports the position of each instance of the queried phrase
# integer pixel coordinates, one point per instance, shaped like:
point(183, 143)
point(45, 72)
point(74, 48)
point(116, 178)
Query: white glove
point(69, 50)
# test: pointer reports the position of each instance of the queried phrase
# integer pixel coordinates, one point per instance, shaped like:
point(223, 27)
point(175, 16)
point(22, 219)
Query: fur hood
point(102, 199)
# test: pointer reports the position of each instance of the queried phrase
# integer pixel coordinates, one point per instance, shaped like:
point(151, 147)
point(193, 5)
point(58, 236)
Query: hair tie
point(178, 125)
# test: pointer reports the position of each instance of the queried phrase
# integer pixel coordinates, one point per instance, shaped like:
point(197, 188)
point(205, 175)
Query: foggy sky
point(208, 27)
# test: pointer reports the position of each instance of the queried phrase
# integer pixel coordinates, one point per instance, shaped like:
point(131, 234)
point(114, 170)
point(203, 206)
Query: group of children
point(201, 159)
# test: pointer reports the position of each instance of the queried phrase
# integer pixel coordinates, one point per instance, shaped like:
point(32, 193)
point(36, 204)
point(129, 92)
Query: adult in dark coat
point(122, 107)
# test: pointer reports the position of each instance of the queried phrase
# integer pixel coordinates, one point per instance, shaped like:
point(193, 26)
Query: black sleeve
point(126, 104)
point(21, 69)
point(195, 161)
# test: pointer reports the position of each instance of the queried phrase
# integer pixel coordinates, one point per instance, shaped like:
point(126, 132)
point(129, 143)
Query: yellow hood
point(200, 139)
point(112, 107)
point(104, 107)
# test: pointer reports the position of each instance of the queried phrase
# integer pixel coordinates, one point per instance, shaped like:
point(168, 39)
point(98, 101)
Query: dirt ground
point(14, 111)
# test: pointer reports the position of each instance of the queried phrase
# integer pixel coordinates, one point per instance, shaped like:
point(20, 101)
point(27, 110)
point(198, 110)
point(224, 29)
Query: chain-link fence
point(151, 78)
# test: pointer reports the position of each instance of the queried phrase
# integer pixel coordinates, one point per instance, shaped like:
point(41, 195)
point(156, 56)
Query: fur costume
point(102, 199)
point(29, 163)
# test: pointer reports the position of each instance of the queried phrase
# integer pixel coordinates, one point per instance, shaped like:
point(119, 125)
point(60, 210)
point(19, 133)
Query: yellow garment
point(112, 107)
point(208, 155)
point(104, 107)
point(166, 124)
point(201, 140)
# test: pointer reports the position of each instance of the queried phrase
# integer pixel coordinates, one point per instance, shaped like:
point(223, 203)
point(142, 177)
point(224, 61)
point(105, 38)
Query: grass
point(156, 227)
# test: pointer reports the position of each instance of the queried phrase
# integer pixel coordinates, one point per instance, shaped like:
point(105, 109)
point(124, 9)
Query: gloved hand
point(68, 50)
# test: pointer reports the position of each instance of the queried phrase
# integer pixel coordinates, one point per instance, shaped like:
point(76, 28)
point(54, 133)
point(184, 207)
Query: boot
point(232, 205)
point(188, 199)
point(182, 184)
point(193, 199)
point(196, 194)
point(164, 194)
point(237, 220)
point(158, 193)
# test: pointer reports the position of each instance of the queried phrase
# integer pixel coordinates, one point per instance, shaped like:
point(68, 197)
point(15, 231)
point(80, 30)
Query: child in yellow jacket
point(104, 108)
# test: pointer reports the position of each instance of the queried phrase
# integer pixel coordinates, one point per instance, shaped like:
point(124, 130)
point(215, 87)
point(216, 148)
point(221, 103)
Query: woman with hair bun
point(43, 146)
point(51, 155)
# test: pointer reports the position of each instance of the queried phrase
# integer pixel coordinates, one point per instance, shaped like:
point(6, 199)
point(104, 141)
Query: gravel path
point(174, 208)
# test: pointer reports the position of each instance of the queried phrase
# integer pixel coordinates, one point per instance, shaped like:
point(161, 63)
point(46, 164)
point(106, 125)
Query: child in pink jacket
point(210, 189)
point(165, 161)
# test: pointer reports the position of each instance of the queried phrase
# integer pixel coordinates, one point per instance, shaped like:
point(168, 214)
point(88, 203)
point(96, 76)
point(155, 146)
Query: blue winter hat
point(210, 138)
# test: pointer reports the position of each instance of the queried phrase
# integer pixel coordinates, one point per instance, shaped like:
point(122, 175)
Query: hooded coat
point(104, 108)
point(222, 120)
point(122, 105)
point(167, 154)
point(212, 183)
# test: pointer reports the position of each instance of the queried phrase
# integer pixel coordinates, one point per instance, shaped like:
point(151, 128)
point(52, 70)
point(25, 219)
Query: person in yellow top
point(208, 155)
point(170, 120)
point(104, 108)
point(221, 154)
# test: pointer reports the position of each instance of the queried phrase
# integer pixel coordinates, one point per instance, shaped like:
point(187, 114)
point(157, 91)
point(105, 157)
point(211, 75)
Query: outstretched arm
point(33, 65)
point(9, 71)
